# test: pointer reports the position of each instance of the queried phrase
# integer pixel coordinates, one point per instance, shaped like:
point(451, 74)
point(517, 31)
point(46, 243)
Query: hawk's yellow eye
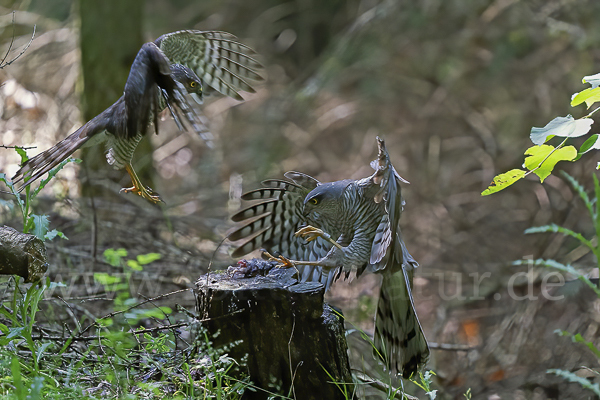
point(193, 84)
point(313, 201)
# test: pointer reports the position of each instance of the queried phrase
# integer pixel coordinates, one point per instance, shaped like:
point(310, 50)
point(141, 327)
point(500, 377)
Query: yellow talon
point(283, 262)
point(146, 193)
point(310, 233)
point(138, 188)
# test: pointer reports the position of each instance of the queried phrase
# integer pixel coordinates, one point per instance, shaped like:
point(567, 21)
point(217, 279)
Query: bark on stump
point(22, 254)
point(289, 334)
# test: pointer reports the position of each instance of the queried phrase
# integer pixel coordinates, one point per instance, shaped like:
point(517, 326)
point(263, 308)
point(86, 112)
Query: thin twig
point(3, 63)
point(112, 314)
point(451, 347)
point(71, 312)
point(382, 386)
point(12, 40)
point(160, 328)
point(168, 318)
point(292, 372)
point(14, 147)
point(79, 338)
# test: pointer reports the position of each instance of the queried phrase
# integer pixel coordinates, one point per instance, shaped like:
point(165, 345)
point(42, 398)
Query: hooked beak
point(309, 214)
point(305, 212)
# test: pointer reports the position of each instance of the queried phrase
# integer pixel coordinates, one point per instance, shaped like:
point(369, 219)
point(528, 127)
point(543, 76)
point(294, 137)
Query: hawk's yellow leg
point(138, 188)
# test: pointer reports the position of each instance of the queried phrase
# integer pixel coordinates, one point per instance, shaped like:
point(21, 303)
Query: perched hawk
point(329, 229)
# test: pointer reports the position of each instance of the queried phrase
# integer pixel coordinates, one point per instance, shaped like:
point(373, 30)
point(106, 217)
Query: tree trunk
point(111, 36)
point(294, 342)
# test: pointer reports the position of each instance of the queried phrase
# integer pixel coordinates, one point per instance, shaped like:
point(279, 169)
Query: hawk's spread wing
point(149, 68)
point(216, 57)
point(388, 237)
point(272, 221)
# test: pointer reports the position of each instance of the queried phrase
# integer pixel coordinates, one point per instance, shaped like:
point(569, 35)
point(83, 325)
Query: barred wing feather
point(218, 58)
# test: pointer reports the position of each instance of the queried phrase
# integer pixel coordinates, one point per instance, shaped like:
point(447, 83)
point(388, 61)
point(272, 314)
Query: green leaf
point(105, 322)
point(40, 225)
point(15, 368)
point(134, 265)
point(166, 310)
point(144, 259)
point(106, 279)
point(54, 285)
point(589, 96)
point(593, 80)
point(577, 338)
point(572, 377)
point(21, 151)
point(561, 267)
point(15, 332)
point(542, 159)
point(559, 229)
point(40, 351)
point(36, 388)
point(580, 191)
point(14, 191)
point(113, 257)
point(51, 174)
point(593, 142)
point(563, 127)
point(54, 233)
point(503, 181)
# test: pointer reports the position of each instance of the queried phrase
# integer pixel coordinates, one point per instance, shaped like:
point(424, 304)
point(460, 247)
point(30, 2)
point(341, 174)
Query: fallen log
point(22, 254)
point(294, 342)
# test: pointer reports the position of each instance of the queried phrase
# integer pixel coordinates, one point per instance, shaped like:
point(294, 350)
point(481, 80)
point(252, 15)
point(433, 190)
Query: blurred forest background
point(454, 88)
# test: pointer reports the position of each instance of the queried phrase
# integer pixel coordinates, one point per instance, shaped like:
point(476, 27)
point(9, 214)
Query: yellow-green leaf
point(503, 181)
point(134, 265)
point(542, 159)
point(106, 279)
point(144, 259)
point(589, 96)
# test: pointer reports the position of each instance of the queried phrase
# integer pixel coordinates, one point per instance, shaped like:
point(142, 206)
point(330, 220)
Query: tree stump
point(22, 254)
point(294, 342)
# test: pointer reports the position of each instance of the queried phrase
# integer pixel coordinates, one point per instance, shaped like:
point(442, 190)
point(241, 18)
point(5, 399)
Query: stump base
point(290, 336)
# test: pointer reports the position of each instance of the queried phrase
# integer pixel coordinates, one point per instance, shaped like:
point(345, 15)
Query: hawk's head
point(189, 80)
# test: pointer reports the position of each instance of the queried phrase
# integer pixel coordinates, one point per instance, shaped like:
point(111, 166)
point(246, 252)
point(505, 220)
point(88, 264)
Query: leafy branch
point(541, 158)
point(36, 224)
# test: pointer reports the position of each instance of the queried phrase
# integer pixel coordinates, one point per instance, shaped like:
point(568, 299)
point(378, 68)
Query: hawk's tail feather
point(35, 167)
point(399, 338)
